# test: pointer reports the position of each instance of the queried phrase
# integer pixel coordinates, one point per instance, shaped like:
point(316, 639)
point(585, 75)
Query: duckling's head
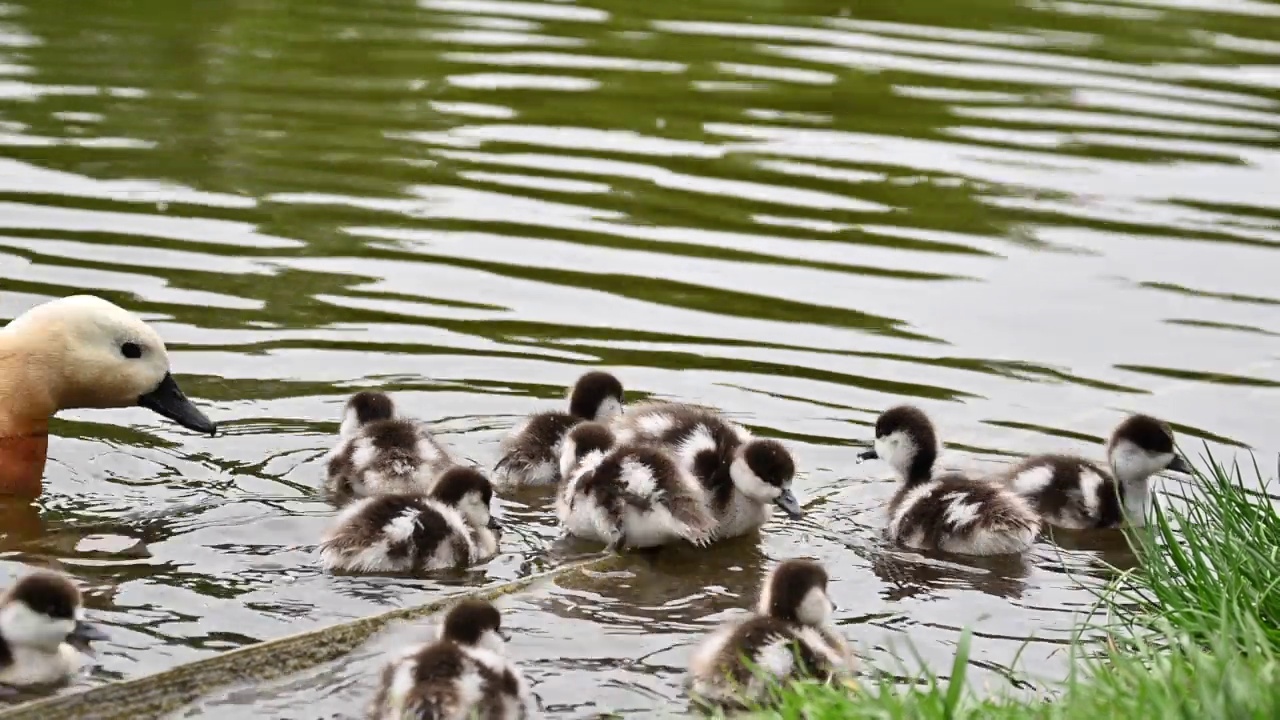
point(470, 492)
point(42, 611)
point(582, 440)
point(905, 439)
point(796, 591)
point(474, 623)
point(363, 408)
point(85, 352)
point(762, 470)
point(1142, 446)
point(596, 395)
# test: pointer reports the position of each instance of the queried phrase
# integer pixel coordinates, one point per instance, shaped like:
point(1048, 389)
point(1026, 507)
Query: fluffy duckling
point(463, 674)
point(77, 352)
point(786, 639)
point(531, 451)
point(38, 615)
point(380, 453)
point(745, 476)
point(450, 527)
point(951, 512)
point(1071, 492)
point(628, 495)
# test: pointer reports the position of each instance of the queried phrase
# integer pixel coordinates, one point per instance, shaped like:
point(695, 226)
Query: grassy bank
point(1194, 631)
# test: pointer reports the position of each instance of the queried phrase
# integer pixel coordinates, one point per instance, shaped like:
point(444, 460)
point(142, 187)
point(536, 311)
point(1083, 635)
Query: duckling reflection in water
point(40, 616)
point(628, 495)
point(379, 452)
point(531, 451)
point(951, 512)
point(1073, 493)
point(463, 674)
point(744, 476)
point(787, 638)
point(449, 527)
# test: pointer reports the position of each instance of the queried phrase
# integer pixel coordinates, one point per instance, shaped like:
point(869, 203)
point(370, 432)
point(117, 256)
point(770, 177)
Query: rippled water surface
point(1027, 217)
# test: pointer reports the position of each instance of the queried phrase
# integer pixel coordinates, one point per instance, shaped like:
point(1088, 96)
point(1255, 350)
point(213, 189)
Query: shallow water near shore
point(1027, 218)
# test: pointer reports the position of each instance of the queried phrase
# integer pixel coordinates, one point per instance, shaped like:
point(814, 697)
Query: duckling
point(463, 674)
point(628, 495)
point(951, 512)
point(379, 452)
point(531, 451)
point(449, 527)
point(787, 638)
point(745, 476)
point(38, 616)
point(77, 352)
point(1071, 492)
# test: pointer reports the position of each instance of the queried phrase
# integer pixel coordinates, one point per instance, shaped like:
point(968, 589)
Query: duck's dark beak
point(85, 633)
point(168, 400)
point(789, 505)
point(1180, 465)
point(869, 454)
point(494, 524)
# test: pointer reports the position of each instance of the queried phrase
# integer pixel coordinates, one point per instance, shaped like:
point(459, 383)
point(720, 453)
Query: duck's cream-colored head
point(77, 352)
point(85, 352)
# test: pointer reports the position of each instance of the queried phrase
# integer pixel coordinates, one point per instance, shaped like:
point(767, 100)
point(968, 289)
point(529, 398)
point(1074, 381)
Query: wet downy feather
point(745, 477)
point(530, 452)
point(464, 673)
point(410, 532)
point(787, 638)
point(41, 615)
point(1072, 492)
point(379, 452)
point(951, 512)
point(629, 495)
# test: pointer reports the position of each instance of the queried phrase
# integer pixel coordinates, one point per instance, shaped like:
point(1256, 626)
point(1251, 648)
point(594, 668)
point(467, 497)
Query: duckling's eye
point(131, 350)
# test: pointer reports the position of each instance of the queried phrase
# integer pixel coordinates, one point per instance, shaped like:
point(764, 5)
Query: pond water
point(1026, 217)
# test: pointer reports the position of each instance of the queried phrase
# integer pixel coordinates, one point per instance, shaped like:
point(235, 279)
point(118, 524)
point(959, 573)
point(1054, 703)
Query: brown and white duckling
point(38, 616)
point(787, 638)
point(463, 674)
point(951, 512)
point(531, 451)
point(744, 476)
point(449, 527)
point(1074, 493)
point(628, 495)
point(379, 452)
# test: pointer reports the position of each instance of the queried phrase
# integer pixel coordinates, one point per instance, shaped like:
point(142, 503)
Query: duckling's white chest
point(740, 516)
point(40, 668)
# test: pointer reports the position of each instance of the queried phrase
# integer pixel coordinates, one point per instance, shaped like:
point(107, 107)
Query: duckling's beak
point(867, 455)
point(789, 505)
point(168, 400)
point(494, 524)
point(1180, 465)
point(85, 632)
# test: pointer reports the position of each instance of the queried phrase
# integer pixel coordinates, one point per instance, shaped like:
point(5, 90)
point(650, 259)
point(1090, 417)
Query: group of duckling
point(661, 472)
point(642, 476)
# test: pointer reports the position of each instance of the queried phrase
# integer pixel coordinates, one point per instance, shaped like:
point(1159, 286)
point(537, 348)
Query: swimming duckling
point(380, 453)
point(745, 476)
point(787, 638)
point(463, 674)
point(450, 527)
point(628, 495)
point(531, 451)
point(950, 512)
point(1071, 492)
point(77, 352)
point(38, 615)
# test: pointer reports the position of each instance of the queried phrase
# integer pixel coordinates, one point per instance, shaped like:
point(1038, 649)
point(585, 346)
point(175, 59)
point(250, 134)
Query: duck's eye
point(131, 350)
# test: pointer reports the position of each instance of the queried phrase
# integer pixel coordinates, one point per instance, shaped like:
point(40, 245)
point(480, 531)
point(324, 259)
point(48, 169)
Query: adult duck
point(77, 352)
